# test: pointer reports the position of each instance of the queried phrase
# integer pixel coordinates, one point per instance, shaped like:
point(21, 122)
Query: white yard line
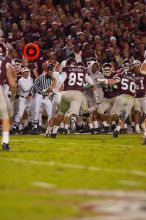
point(38, 141)
point(78, 166)
point(129, 183)
point(43, 185)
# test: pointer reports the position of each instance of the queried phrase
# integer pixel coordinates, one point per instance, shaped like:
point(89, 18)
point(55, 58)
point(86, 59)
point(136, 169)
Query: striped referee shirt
point(42, 83)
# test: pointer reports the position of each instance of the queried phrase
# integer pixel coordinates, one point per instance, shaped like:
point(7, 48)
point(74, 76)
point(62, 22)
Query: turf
point(37, 174)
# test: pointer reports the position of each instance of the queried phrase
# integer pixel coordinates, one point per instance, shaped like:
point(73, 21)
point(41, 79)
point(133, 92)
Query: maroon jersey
point(127, 84)
point(3, 69)
point(141, 86)
point(110, 91)
point(75, 78)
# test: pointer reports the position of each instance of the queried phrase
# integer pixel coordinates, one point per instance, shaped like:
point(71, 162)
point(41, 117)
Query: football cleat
point(92, 130)
point(122, 115)
point(14, 131)
point(53, 136)
point(113, 127)
point(47, 135)
point(106, 129)
point(34, 131)
point(5, 147)
point(115, 134)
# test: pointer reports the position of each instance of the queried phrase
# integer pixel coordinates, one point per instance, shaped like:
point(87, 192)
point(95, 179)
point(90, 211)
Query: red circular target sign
point(31, 51)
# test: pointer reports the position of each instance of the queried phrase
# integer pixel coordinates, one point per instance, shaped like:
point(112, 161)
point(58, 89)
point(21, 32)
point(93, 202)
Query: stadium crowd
point(106, 38)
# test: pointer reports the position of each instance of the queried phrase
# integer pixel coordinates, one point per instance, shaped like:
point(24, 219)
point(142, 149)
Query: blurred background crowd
point(109, 30)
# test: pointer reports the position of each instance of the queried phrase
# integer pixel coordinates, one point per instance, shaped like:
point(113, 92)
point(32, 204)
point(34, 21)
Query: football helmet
point(71, 62)
point(126, 65)
point(90, 60)
point(136, 63)
point(107, 69)
point(2, 49)
point(80, 64)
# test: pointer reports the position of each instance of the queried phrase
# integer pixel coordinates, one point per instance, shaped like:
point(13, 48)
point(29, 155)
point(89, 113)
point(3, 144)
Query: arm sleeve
point(33, 88)
point(89, 80)
point(117, 77)
point(60, 81)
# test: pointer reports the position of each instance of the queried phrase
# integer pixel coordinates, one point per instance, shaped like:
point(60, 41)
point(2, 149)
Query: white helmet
point(136, 63)
point(107, 69)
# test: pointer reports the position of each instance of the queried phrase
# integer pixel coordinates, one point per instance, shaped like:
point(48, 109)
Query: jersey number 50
point(127, 85)
point(75, 79)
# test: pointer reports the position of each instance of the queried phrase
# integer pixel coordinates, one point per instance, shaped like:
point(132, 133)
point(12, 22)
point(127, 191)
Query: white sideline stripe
point(130, 183)
point(43, 185)
point(77, 166)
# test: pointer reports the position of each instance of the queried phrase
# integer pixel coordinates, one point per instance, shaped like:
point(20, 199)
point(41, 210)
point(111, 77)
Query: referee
point(40, 91)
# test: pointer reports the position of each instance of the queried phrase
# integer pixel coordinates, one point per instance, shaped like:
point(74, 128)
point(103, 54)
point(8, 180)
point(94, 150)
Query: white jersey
point(25, 85)
point(94, 77)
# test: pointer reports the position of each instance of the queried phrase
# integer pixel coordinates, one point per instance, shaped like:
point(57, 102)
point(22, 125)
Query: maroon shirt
point(110, 91)
point(75, 78)
point(3, 69)
point(127, 84)
point(141, 86)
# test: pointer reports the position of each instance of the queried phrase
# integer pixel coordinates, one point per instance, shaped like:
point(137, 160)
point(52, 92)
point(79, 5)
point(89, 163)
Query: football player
point(94, 72)
point(6, 73)
point(126, 92)
point(110, 95)
point(73, 77)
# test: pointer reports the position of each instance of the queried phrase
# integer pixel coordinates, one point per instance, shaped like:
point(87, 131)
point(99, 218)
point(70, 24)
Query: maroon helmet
point(71, 62)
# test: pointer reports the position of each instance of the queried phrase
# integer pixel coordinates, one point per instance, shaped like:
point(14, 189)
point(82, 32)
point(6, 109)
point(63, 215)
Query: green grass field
point(68, 178)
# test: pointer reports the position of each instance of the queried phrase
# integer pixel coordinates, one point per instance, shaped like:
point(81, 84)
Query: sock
point(105, 124)
point(113, 122)
point(66, 126)
point(95, 124)
point(48, 130)
point(132, 124)
point(118, 128)
point(15, 126)
point(137, 127)
point(5, 137)
point(62, 125)
point(125, 126)
point(35, 124)
point(40, 120)
point(90, 125)
point(55, 129)
point(20, 127)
